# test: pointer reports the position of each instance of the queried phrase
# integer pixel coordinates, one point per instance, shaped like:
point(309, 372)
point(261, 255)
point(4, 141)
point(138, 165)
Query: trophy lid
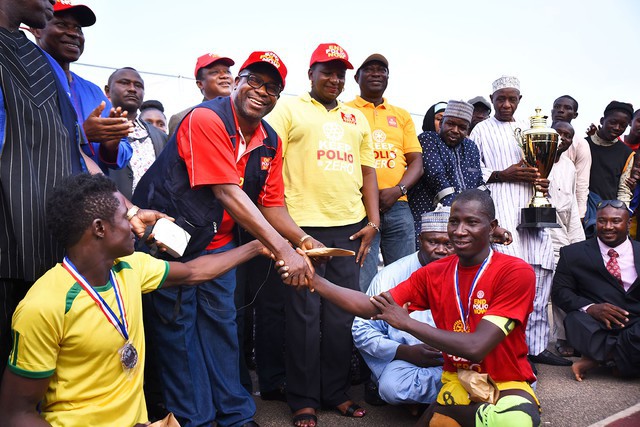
point(539, 123)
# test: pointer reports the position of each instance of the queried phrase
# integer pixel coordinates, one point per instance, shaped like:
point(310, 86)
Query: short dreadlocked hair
point(76, 202)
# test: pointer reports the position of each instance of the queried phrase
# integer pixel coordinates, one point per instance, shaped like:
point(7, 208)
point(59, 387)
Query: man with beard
point(220, 177)
point(451, 160)
point(597, 285)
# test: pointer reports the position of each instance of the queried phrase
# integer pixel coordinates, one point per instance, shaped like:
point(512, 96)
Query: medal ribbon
point(121, 327)
point(464, 317)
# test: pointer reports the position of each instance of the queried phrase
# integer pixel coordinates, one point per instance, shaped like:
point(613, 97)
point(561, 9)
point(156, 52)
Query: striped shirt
point(499, 150)
point(36, 153)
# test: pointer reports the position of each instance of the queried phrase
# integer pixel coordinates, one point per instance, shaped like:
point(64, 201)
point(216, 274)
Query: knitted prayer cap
point(506, 82)
point(436, 220)
point(459, 109)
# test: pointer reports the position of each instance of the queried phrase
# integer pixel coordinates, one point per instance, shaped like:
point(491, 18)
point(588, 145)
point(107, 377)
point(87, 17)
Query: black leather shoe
point(250, 424)
point(371, 394)
point(548, 358)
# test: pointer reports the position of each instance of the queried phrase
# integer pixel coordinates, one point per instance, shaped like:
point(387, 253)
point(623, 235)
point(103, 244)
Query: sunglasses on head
point(618, 204)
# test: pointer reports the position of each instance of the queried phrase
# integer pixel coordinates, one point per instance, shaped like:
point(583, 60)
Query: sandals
point(311, 420)
point(352, 411)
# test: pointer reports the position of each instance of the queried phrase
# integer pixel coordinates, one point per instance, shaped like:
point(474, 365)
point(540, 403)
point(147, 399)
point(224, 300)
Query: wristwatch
point(403, 189)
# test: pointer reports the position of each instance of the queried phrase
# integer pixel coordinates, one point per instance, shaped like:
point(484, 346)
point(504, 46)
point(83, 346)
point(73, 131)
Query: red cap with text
point(326, 52)
point(82, 13)
point(208, 59)
point(270, 58)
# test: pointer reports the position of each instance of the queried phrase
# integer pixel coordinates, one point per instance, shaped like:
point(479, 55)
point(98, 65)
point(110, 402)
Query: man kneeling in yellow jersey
point(78, 353)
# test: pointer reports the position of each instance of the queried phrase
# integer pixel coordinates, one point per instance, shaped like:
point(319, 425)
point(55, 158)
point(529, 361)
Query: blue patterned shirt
point(447, 171)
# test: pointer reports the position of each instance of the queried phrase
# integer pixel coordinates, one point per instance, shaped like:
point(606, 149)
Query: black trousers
point(11, 293)
point(318, 333)
point(263, 294)
point(592, 338)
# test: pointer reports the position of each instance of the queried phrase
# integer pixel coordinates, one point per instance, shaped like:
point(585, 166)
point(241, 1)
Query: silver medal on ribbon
point(128, 356)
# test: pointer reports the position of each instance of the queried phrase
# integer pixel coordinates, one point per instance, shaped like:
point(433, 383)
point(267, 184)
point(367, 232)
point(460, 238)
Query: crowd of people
point(442, 306)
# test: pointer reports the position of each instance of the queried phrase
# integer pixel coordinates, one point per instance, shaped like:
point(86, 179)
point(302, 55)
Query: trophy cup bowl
point(539, 148)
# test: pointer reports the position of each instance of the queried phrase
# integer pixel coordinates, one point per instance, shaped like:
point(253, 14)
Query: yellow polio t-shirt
point(60, 333)
point(394, 135)
point(323, 153)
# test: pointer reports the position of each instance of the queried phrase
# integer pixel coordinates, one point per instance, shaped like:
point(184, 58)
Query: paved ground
point(565, 403)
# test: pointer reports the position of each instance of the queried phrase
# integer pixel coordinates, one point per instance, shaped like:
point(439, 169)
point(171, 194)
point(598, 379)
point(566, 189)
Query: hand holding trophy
point(539, 146)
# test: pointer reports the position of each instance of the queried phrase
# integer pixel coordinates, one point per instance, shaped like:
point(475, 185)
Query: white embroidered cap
point(505, 82)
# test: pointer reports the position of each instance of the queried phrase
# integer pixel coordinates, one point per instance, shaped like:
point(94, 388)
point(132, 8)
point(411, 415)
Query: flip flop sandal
point(351, 410)
point(305, 417)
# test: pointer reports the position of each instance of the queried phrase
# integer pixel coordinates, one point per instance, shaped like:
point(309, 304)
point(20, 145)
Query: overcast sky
point(436, 51)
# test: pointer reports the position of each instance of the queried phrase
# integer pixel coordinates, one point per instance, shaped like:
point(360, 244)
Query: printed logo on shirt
point(241, 181)
point(348, 118)
point(392, 121)
point(458, 327)
point(333, 154)
point(333, 131)
point(378, 135)
point(384, 155)
point(265, 163)
point(462, 363)
point(480, 305)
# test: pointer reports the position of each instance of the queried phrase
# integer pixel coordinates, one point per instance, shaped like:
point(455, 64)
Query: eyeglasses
point(613, 203)
point(256, 82)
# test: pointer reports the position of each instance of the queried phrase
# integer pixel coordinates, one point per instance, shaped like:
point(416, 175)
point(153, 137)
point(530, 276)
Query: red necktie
point(612, 265)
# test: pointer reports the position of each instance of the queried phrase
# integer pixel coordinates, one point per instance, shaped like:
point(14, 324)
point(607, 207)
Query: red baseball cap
point(82, 13)
point(208, 59)
point(326, 52)
point(270, 58)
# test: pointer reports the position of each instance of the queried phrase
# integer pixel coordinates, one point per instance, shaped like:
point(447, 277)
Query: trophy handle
point(517, 133)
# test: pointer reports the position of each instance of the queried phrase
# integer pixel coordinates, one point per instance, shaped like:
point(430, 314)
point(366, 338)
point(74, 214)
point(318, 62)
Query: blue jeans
point(195, 330)
point(395, 240)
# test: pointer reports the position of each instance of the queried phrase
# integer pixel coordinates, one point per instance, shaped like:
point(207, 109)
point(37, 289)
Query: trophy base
point(537, 217)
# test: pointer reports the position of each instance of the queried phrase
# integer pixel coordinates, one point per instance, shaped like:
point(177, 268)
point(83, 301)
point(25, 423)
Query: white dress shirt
point(625, 261)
